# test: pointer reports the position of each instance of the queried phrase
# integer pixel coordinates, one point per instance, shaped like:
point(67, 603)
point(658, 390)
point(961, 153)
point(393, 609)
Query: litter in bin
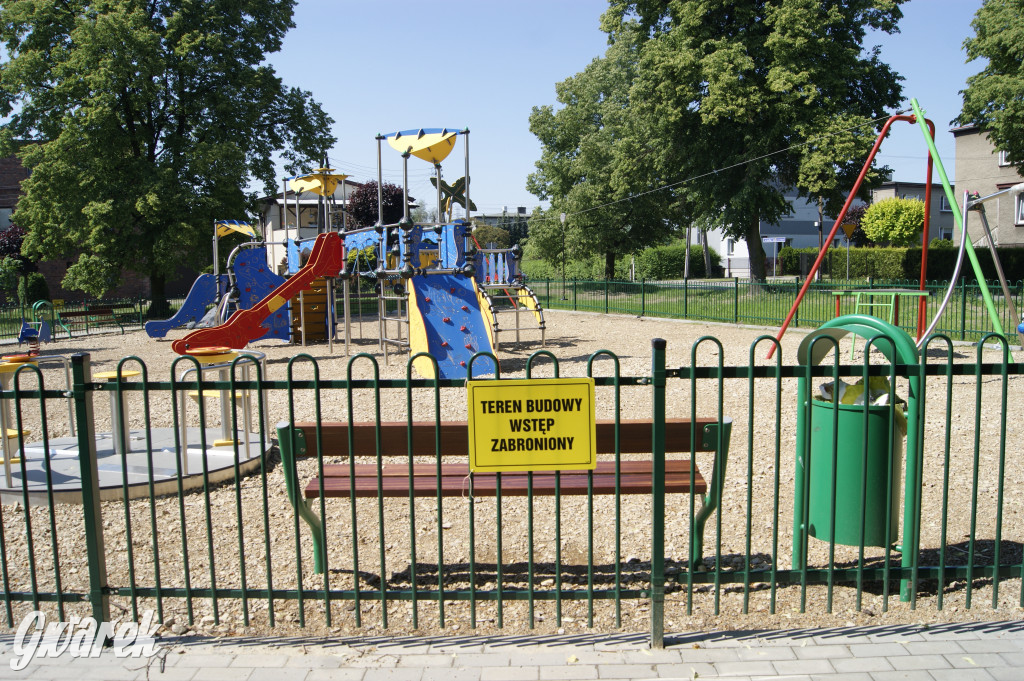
point(878, 396)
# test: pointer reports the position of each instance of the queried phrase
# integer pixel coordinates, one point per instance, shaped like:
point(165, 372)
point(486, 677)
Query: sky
point(483, 65)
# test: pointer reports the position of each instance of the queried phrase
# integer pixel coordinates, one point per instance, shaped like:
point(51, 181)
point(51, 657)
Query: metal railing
point(738, 301)
point(236, 553)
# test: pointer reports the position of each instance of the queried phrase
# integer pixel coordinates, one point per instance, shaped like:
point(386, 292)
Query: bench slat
point(634, 437)
point(485, 485)
point(636, 479)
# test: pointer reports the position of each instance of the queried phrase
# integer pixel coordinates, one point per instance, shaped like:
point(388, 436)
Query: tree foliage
point(994, 98)
point(489, 234)
point(895, 221)
point(362, 204)
point(737, 102)
point(593, 166)
point(145, 120)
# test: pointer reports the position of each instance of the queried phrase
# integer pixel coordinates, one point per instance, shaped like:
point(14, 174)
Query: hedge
point(903, 263)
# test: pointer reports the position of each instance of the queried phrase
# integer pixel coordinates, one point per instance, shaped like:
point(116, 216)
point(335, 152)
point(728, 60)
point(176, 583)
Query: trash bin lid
point(865, 326)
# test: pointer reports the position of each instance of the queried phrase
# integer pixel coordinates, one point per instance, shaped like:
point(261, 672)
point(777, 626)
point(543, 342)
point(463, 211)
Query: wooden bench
point(83, 319)
point(454, 479)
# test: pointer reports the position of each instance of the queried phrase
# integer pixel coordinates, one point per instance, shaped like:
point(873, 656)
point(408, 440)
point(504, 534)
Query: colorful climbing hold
point(463, 329)
point(465, 308)
point(469, 346)
point(446, 320)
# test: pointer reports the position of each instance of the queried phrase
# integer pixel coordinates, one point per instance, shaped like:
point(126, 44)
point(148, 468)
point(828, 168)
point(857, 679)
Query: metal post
point(91, 511)
point(465, 144)
point(658, 494)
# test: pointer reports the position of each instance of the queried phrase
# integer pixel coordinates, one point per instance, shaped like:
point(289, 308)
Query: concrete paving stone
point(862, 664)
point(370, 661)
point(919, 662)
point(713, 655)
point(821, 652)
point(612, 656)
point(933, 647)
point(200, 660)
point(393, 674)
point(514, 673)
point(270, 674)
point(878, 650)
point(495, 659)
point(973, 660)
point(342, 674)
point(769, 653)
point(990, 645)
point(666, 656)
point(745, 667)
point(177, 673)
point(442, 674)
point(786, 667)
point(222, 674)
point(315, 661)
point(626, 671)
point(259, 660)
point(433, 660)
point(1015, 659)
point(848, 676)
point(108, 674)
point(1005, 674)
point(902, 675)
point(964, 675)
point(461, 649)
point(570, 671)
point(544, 659)
point(701, 670)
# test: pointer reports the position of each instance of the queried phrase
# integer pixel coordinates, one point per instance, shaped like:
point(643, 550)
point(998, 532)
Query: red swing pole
point(842, 214)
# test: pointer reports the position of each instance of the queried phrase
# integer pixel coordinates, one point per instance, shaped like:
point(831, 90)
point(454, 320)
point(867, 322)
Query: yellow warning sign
point(532, 425)
point(849, 228)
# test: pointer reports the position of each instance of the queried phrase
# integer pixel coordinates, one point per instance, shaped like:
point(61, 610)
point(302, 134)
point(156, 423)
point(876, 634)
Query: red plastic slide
point(326, 259)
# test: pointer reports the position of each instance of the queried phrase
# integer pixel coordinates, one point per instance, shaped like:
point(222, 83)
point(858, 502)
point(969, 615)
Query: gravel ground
point(268, 523)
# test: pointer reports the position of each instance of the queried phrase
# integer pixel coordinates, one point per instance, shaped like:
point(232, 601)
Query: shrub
point(32, 288)
point(894, 221)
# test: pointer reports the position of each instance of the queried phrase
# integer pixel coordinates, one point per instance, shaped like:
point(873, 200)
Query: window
point(944, 204)
point(728, 246)
point(1019, 206)
point(946, 233)
point(1004, 159)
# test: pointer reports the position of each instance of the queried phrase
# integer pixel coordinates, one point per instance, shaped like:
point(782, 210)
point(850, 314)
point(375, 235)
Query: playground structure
point(137, 462)
point(39, 330)
point(970, 202)
point(437, 292)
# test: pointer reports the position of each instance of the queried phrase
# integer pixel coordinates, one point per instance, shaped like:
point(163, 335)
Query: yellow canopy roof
point(322, 181)
point(225, 227)
point(430, 145)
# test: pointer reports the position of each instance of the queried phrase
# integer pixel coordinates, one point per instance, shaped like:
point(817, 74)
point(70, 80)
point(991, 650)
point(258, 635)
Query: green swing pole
point(958, 216)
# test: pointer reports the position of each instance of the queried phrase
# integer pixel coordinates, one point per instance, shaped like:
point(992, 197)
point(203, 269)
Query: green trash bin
point(851, 497)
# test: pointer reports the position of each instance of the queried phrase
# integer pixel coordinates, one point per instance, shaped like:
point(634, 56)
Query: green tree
point(994, 98)
point(593, 167)
point(741, 100)
point(895, 221)
point(144, 121)
point(489, 234)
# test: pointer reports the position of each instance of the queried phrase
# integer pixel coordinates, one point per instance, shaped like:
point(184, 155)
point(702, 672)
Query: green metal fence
point(239, 553)
point(737, 301)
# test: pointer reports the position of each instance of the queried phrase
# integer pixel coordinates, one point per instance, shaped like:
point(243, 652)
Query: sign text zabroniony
point(532, 425)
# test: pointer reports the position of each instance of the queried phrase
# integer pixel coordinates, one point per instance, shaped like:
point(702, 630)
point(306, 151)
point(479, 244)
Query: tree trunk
point(609, 265)
point(707, 254)
point(159, 308)
point(756, 250)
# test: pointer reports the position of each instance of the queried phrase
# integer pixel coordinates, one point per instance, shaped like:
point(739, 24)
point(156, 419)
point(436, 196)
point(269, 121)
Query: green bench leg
point(293, 445)
point(713, 499)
